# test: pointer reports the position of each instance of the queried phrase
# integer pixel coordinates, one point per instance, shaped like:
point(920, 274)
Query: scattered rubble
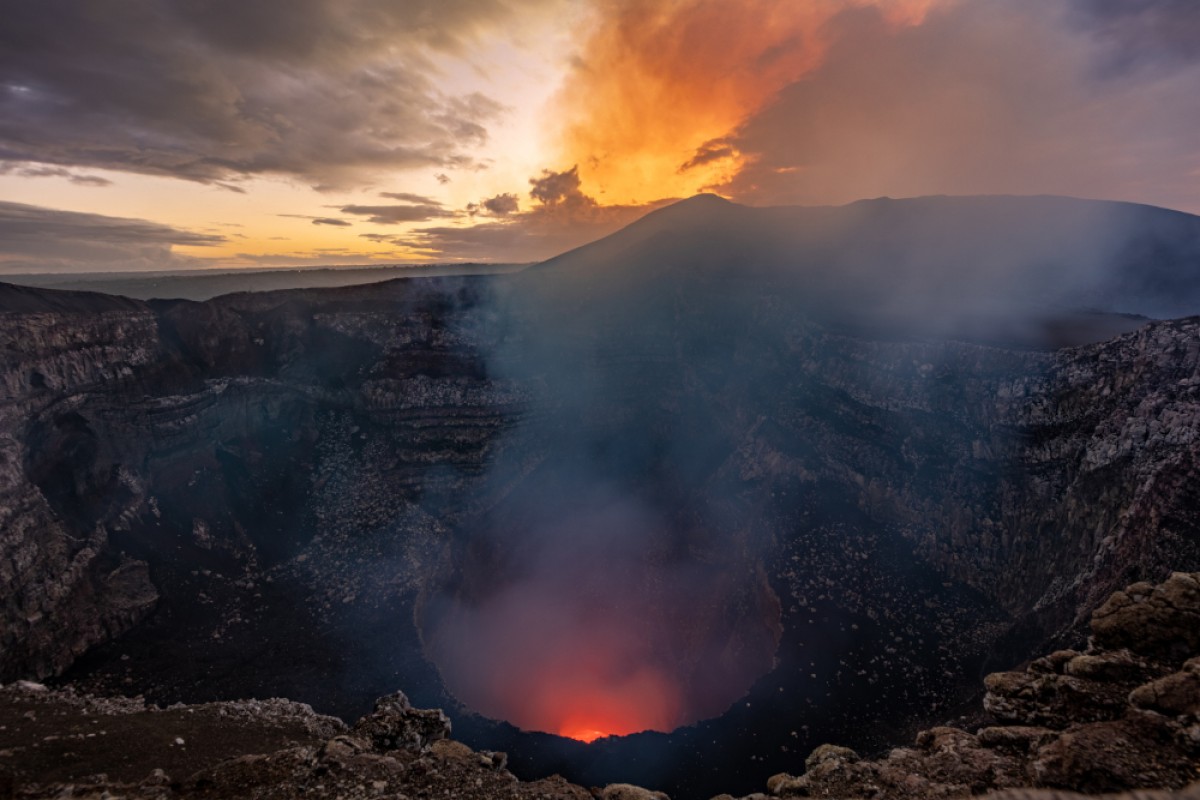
point(1121, 716)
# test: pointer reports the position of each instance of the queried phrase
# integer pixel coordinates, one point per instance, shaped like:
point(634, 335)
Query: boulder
point(1158, 621)
point(395, 725)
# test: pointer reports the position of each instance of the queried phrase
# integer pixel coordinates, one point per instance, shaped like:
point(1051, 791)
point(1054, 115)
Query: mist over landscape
point(600, 400)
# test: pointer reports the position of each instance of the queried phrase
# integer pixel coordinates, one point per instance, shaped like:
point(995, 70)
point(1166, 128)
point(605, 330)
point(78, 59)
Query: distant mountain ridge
point(912, 258)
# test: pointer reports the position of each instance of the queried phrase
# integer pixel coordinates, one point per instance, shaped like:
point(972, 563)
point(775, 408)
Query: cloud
point(502, 204)
point(553, 188)
point(409, 197)
point(331, 221)
point(330, 91)
point(499, 206)
point(47, 171)
point(331, 257)
point(561, 218)
point(980, 98)
point(1139, 32)
point(396, 214)
point(38, 239)
point(709, 152)
point(834, 100)
point(90, 180)
point(655, 82)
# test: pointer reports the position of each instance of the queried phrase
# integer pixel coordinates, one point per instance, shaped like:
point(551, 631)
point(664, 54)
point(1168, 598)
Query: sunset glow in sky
point(153, 134)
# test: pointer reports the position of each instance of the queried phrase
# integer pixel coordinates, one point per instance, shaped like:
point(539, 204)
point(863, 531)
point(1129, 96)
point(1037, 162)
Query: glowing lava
point(583, 734)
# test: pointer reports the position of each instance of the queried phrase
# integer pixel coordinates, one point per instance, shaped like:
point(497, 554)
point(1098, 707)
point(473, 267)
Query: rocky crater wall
point(279, 478)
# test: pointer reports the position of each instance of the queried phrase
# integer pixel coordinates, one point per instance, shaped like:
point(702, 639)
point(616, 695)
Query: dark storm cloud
point(37, 239)
point(323, 89)
point(395, 214)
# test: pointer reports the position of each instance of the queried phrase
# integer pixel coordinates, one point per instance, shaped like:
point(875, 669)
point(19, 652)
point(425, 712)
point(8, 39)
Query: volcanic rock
point(285, 493)
point(56, 741)
point(624, 791)
point(1161, 620)
point(1051, 700)
point(1187, 793)
point(1177, 694)
point(395, 724)
point(1090, 734)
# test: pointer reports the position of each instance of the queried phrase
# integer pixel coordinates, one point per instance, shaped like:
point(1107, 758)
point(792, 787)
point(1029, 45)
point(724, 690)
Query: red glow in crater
point(588, 735)
point(593, 637)
point(584, 682)
point(583, 708)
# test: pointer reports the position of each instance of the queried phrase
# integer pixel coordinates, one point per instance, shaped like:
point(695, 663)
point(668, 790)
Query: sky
point(188, 134)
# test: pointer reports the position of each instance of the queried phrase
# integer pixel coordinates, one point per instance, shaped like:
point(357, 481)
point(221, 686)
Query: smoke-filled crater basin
point(672, 509)
point(597, 615)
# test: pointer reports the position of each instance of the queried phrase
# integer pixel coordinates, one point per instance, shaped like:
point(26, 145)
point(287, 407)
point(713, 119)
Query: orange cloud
point(659, 85)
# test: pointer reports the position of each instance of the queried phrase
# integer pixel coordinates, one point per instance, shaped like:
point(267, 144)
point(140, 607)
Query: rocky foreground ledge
point(1120, 718)
point(1122, 715)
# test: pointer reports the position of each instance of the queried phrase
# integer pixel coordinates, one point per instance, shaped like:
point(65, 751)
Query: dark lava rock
point(395, 724)
point(1052, 700)
point(59, 743)
point(1161, 620)
point(1098, 721)
point(1178, 694)
point(1134, 753)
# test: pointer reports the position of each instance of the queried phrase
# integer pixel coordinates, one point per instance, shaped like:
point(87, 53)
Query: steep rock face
point(1042, 479)
point(65, 590)
point(128, 420)
point(1046, 480)
point(285, 479)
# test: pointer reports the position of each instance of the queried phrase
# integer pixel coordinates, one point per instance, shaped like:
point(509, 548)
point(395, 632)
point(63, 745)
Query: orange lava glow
point(588, 735)
point(590, 687)
point(586, 633)
point(642, 702)
point(660, 84)
point(580, 671)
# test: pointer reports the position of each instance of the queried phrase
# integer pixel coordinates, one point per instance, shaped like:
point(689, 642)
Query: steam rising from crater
point(591, 626)
point(609, 577)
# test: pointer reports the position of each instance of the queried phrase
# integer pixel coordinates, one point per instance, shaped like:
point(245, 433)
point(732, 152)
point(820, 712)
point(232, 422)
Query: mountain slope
point(912, 261)
point(317, 493)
